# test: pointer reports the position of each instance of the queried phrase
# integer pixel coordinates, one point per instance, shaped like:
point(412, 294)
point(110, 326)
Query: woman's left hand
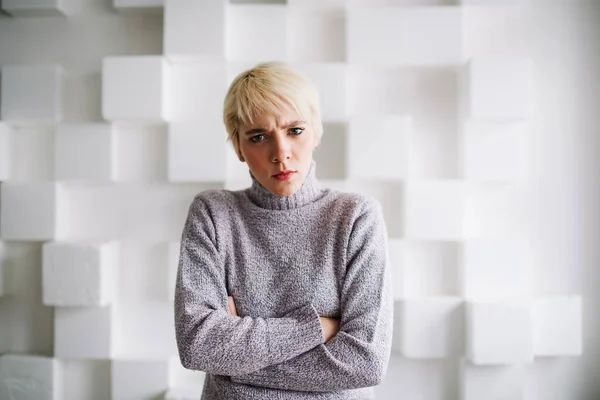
point(231, 306)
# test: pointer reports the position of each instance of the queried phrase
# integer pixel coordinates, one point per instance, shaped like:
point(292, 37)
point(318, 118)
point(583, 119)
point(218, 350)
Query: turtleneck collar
point(308, 192)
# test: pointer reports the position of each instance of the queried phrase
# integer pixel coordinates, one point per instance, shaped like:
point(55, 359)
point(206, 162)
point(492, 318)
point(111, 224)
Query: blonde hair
point(269, 88)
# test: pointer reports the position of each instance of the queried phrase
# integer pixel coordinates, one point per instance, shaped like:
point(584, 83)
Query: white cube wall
point(495, 151)
point(172, 266)
point(257, 32)
point(492, 382)
point(500, 89)
point(435, 210)
point(499, 332)
point(397, 252)
point(496, 268)
point(367, 159)
point(3, 271)
point(432, 328)
point(415, 36)
point(557, 326)
point(85, 332)
point(139, 379)
point(194, 28)
point(141, 6)
point(197, 151)
point(37, 8)
point(4, 152)
point(33, 211)
point(135, 89)
point(32, 94)
point(79, 273)
point(323, 34)
point(30, 377)
point(331, 82)
point(85, 152)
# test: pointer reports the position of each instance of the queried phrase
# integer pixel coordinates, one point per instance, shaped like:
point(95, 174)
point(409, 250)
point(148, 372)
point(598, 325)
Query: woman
point(283, 289)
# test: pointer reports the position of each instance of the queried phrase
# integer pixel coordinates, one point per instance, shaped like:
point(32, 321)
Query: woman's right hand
point(331, 326)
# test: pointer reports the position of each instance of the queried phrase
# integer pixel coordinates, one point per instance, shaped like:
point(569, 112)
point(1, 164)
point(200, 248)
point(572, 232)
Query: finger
point(231, 305)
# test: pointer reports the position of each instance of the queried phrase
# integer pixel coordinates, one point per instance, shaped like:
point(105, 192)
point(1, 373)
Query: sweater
point(286, 260)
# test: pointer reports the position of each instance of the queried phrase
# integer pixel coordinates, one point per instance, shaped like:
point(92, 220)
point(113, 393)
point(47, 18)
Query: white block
point(85, 152)
point(557, 326)
point(183, 394)
point(33, 211)
point(4, 152)
point(397, 252)
point(435, 210)
point(172, 266)
point(26, 377)
point(32, 93)
point(37, 8)
point(432, 328)
point(79, 273)
point(378, 147)
point(431, 268)
point(499, 333)
point(496, 268)
point(139, 379)
point(3, 271)
point(85, 332)
point(195, 28)
point(135, 89)
point(179, 377)
point(323, 36)
point(490, 2)
point(416, 36)
point(197, 90)
point(197, 151)
point(500, 89)
point(257, 32)
point(331, 82)
point(139, 6)
point(495, 151)
point(492, 382)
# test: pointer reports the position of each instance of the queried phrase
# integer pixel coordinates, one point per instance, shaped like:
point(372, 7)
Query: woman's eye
point(256, 138)
point(296, 131)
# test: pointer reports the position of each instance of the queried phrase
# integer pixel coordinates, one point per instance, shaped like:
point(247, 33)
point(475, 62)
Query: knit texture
point(286, 260)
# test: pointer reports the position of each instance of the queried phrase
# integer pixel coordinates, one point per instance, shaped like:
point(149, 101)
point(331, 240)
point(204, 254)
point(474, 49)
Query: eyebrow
point(263, 130)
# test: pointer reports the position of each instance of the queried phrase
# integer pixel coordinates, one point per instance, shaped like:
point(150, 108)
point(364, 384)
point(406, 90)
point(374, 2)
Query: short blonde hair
point(269, 88)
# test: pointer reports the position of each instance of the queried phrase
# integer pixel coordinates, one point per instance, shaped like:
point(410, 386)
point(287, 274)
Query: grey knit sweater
point(286, 261)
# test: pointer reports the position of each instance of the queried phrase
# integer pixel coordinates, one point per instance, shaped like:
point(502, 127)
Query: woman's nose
point(282, 150)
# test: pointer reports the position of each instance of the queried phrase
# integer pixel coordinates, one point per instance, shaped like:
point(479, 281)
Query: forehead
point(269, 119)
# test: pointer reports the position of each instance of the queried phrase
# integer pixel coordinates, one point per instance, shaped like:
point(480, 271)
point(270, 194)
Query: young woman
point(283, 289)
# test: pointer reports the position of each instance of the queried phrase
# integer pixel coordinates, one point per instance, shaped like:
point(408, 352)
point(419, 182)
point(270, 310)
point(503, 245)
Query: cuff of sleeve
point(299, 332)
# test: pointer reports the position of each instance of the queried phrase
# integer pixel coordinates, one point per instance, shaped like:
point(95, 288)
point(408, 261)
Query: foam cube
point(139, 379)
point(431, 268)
point(557, 326)
point(331, 162)
point(397, 255)
point(172, 266)
point(30, 377)
point(197, 91)
point(499, 332)
point(33, 211)
point(495, 151)
point(195, 28)
point(331, 82)
point(432, 328)
point(414, 36)
point(85, 332)
point(32, 93)
point(490, 2)
point(197, 151)
point(499, 89)
point(139, 6)
point(85, 152)
point(256, 32)
point(378, 147)
point(79, 273)
point(435, 210)
point(38, 8)
point(135, 88)
point(323, 37)
point(4, 152)
point(495, 268)
point(492, 382)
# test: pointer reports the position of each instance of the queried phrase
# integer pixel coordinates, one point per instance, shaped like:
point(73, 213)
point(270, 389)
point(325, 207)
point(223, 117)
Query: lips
point(286, 172)
point(284, 175)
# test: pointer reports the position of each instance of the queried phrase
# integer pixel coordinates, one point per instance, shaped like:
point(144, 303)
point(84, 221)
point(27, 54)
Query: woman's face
point(275, 144)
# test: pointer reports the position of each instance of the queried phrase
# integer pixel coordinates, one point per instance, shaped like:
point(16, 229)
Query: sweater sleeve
point(209, 338)
point(358, 355)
